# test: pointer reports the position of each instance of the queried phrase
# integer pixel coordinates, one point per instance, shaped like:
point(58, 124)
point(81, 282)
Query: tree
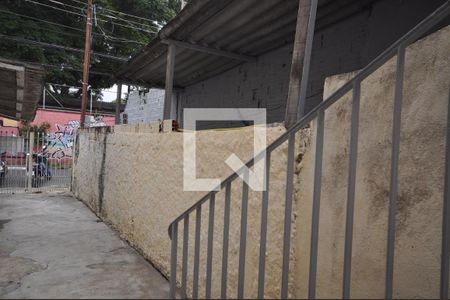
point(116, 32)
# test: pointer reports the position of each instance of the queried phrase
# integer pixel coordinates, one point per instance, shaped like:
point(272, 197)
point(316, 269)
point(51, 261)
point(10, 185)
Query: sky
point(110, 94)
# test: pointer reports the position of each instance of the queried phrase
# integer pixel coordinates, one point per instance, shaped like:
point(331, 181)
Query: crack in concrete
point(3, 222)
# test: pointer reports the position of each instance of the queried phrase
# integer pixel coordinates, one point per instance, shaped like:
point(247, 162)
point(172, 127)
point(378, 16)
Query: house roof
point(21, 86)
point(215, 36)
point(55, 101)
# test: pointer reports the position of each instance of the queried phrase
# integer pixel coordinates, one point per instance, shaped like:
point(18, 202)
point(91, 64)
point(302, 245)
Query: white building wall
point(145, 107)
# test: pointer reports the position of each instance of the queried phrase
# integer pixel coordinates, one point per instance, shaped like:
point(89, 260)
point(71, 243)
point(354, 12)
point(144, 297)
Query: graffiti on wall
point(60, 142)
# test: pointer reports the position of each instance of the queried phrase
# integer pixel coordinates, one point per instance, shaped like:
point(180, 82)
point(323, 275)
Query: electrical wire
point(75, 69)
point(57, 8)
point(67, 5)
point(116, 11)
point(105, 15)
point(83, 15)
point(125, 20)
point(127, 26)
point(55, 46)
point(111, 38)
point(115, 39)
point(44, 21)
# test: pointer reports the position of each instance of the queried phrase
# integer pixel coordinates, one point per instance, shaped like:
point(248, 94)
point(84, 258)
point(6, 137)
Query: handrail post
point(394, 170)
point(173, 262)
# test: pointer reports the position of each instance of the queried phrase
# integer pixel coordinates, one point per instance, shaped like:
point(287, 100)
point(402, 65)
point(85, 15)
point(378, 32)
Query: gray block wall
point(145, 107)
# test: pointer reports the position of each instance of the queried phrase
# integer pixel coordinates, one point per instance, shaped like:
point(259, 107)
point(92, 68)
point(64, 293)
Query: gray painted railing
point(397, 49)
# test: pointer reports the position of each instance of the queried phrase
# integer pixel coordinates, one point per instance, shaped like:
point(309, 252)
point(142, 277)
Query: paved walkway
point(52, 246)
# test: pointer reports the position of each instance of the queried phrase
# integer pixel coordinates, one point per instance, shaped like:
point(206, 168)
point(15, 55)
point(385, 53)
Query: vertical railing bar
point(243, 237)
point(41, 181)
point(446, 216)
point(226, 230)
point(30, 161)
point(209, 256)
point(173, 262)
point(394, 170)
point(7, 182)
point(263, 239)
point(185, 257)
point(5, 149)
point(16, 161)
point(198, 224)
point(2, 181)
point(316, 206)
point(4, 184)
point(351, 190)
point(288, 216)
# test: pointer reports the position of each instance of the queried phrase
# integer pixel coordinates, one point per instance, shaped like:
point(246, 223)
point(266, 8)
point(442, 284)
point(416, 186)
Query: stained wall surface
point(420, 180)
point(133, 178)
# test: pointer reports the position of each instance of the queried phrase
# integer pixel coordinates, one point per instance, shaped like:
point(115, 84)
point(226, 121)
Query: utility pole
point(118, 102)
point(87, 50)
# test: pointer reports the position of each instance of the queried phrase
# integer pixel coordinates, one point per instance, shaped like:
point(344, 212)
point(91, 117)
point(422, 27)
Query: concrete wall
point(133, 179)
point(343, 47)
point(421, 181)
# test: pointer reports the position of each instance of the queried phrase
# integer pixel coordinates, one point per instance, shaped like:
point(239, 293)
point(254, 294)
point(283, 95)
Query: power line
point(77, 70)
point(115, 39)
point(66, 5)
point(44, 21)
point(57, 8)
point(67, 67)
point(53, 30)
point(104, 35)
point(49, 45)
point(124, 20)
point(83, 15)
point(128, 26)
point(105, 15)
point(116, 11)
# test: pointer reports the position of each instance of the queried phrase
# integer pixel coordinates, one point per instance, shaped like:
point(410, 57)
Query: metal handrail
point(397, 48)
point(413, 34)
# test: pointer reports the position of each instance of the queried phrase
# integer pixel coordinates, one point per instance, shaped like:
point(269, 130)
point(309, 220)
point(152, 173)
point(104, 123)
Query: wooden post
point(169, 81)
point(118, 102)
point(87, 49)
point(301, 56)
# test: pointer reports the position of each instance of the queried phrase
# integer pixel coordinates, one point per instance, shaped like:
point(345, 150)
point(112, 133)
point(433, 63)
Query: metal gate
point(34, 162)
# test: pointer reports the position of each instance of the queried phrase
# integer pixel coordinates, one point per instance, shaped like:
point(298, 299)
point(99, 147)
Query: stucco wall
point(421, 180)
point(133, 179)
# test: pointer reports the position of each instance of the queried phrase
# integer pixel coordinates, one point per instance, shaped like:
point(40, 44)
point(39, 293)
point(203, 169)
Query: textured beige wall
point(421, 179)
point(142, 183)
point(132, 177)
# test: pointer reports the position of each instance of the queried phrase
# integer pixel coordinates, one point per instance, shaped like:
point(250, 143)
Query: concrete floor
point(52, 246)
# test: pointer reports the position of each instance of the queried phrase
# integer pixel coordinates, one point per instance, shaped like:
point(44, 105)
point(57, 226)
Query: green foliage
point(27, 127)
point(108, 37)
point(40, 131)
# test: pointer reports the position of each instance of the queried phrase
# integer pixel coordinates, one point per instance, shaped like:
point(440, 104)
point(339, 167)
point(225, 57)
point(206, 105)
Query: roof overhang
point(212, 37)
point(21, 86)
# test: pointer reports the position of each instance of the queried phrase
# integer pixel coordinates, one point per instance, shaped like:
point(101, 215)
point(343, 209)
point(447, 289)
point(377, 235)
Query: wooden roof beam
point(209, 50)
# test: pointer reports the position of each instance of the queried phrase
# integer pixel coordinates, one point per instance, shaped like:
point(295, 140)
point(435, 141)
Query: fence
point(34, 163)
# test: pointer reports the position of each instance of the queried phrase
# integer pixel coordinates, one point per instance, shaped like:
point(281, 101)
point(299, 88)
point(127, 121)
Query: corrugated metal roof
point(250, 28)
point(21, 86)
